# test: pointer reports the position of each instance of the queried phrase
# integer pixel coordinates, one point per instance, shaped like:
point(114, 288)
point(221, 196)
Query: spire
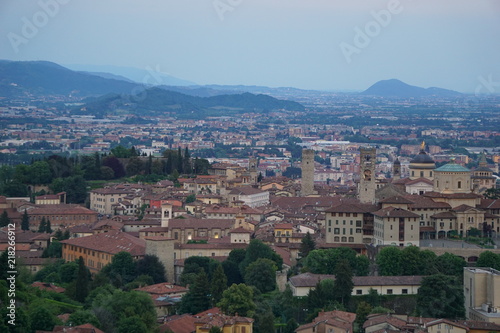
point(422, 146)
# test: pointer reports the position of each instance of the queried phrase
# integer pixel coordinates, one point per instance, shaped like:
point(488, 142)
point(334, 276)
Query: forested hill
point(156, 101)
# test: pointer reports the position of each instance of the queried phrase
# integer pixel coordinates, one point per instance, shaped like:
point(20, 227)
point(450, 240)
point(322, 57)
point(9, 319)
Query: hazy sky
point(311, 44)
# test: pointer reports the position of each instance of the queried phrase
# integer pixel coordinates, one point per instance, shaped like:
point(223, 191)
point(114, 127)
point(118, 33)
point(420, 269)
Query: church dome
point(422, 158)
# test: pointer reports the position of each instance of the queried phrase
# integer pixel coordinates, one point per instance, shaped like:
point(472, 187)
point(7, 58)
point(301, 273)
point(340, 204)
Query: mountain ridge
point(398, 88)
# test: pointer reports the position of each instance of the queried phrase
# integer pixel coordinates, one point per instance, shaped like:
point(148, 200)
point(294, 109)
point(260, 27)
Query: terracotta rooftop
point(110, 242)
point(395, 212)
point(163, 289)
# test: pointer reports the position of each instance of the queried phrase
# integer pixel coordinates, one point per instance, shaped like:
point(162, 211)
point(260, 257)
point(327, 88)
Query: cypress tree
point(82, 281)
point(43, 225)
point(25, 222)
point(4, 219)
point(48, 228)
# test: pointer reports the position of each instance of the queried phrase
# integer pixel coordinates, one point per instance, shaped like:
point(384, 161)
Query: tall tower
point(366, 189)
point(166, 214)
point(307, 166)
point(252, 168)
point(396, 170)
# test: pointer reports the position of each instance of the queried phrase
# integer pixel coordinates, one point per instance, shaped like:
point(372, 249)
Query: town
point(357, 214)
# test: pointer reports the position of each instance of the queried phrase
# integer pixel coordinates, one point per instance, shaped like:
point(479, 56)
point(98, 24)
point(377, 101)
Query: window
point(344, 239)
point(336, 239)
point(359, 292)
point(404, 291)
point(336, 231)
point(459, 184)
point(389, 291)
point(351, 239)
point(358, 224)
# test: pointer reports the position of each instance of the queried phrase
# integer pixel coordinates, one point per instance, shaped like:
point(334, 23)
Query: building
point(482, 177)
point(349, 223)
point(250, 196)
point(229, 324)
point(385, 285)
point(98, 250)
point(452, 178)
point(422, 165)
point(329, 322)
point(396, 226)
point(60, 215)
point(482, 294)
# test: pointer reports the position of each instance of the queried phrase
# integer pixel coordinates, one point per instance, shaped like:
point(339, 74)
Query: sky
point(338, 45)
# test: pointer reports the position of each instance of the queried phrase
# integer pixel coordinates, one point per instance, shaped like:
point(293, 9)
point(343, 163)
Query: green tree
point(48, 227)
point(450, 264)
point(488, 259)
point(291, 326)
point(373, 298)
point(42, 319)
point(53, 251)
point(121, 270)
point(264, 323)
point(25, 221)
point(4, 219)
point(135, 166)
point(389, 261)
point(441, 296)
point(197, 299)
point(362, 265)
point(152, 266)
point(132, 324)
point(256, 250)
point(215, 329)
point(343, 282)
point(307, 245)
point(218, 284)
point(362, 313)
point(261, 274)
point(111, 309)
point(82, 281)
point(43, 225)
point(190, 198)
point(237, 299)
point(40, 173)
point(81, 317)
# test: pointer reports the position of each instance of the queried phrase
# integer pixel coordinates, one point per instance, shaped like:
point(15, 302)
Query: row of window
point(343, 239)
point(336, 231)
point(346, 214)
point(389, 291)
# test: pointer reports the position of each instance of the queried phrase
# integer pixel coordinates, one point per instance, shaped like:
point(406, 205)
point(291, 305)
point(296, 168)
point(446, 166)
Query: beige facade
point(345, 225)
point(452, 178)
point(482, 294)
point(103, 200)
point(396, 226)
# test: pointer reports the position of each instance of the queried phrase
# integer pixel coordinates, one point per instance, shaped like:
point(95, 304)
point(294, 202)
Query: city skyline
point(322, 45)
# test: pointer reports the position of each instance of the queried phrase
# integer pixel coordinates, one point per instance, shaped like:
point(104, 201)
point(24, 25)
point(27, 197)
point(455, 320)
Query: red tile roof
point(110, 242)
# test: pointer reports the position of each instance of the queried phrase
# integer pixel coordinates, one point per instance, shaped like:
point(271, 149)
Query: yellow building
point(98, 250)
point(482, 294)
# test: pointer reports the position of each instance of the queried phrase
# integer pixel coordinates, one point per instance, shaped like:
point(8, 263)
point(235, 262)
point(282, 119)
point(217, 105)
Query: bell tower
point(366, 188)
point(166, 214)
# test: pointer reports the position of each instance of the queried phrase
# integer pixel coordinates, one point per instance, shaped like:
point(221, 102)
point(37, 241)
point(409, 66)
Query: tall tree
point(82, 281)
point(4, 219)
point(362, 313)
point(197, 298)
point(441, 296)
point(43, 225)
point(307, 245)
point(121, 270)
point(219, 284)
point(450, 264)
point(48, 227)
point(25, 221)
point(343, 282)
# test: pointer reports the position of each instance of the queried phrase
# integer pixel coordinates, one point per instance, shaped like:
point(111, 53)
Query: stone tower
point(166, 214)
point(396, 170)
point(252, 168)
point(307, 166)
point(163, 248)
point(366, 189)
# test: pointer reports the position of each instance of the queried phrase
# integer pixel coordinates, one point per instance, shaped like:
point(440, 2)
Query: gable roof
point(110, 242)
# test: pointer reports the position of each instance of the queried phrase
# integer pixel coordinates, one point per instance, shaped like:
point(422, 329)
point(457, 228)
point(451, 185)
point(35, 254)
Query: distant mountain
point(397, 88)
point(109, 76)
point(19, 78)
point(156, 101)
point(148, 76)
